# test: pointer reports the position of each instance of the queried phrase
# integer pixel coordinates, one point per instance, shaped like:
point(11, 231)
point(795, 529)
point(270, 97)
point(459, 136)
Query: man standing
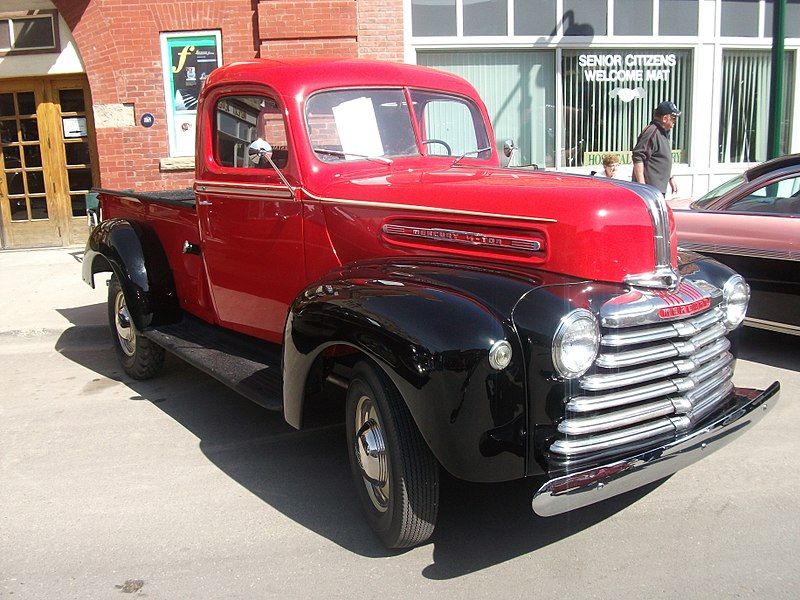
point(652, 154)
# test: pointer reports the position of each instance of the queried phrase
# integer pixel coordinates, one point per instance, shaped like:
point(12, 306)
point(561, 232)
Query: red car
point(752, 224)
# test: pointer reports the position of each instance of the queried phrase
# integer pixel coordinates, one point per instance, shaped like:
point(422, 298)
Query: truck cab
point(351, 225)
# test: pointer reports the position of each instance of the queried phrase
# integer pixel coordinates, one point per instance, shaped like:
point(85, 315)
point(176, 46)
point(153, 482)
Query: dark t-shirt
point(653, 148)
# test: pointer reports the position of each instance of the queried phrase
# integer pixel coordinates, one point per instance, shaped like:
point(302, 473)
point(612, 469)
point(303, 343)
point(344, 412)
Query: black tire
point(395, 474)
point(140, 358)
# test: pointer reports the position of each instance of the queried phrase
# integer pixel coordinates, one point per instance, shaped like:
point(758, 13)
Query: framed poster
point(187, 58)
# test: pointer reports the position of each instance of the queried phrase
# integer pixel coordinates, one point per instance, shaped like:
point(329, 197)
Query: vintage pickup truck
point(351, 226)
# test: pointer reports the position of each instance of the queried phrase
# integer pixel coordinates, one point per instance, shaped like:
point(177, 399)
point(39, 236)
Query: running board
point(250, 366)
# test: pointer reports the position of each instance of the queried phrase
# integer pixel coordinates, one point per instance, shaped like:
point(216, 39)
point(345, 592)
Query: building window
point(584, 18)
point(535, 17)
point(739, 18)
point(187, 59)
point(744, 115)
point(485, 17)
point(633, 17)
point(32, 32)
point(791, 18)
point(578, 18)
point(433, 17)
point(609, 97)
point(518, 88)
point(677, 17)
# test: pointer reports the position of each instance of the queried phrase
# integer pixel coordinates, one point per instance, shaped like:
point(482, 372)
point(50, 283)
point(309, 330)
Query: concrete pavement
point(179, 488)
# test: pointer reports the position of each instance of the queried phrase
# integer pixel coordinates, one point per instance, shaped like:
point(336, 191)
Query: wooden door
point(75, 155)
point(47, 161)
point(29, 208)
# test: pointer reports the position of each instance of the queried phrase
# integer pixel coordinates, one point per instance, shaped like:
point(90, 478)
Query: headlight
point(735, 296)
point(576, 343)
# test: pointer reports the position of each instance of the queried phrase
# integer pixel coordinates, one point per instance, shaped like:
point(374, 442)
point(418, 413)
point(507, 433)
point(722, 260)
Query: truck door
point(250, 222)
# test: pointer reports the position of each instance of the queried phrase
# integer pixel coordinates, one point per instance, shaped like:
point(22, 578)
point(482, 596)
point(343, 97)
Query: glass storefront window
point(744, 115)
point(518, 88)
point(609, 97)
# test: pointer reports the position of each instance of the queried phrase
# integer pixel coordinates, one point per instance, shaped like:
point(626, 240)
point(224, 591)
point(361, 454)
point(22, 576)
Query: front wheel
point(395, 473)
point(140, 357)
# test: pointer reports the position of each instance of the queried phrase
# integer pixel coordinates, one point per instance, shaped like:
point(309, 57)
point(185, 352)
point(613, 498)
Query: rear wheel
point(395, 473)
point(140, 357)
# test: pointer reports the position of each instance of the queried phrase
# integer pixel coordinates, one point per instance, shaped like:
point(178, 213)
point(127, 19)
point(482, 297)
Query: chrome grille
point(651, 380)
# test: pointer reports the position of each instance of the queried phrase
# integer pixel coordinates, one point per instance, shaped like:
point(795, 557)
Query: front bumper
point(576, 490)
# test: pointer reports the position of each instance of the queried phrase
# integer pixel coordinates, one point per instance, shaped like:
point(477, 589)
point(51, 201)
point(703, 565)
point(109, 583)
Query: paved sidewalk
point(41, 292)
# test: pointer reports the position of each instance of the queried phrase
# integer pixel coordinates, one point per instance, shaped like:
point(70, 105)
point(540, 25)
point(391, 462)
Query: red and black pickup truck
point(351, 226)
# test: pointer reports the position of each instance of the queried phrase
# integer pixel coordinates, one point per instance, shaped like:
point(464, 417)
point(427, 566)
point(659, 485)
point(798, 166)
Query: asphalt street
point(178, 488)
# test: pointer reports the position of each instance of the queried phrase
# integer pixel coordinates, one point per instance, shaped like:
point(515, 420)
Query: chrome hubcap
point(370, 451)
point(125, 330)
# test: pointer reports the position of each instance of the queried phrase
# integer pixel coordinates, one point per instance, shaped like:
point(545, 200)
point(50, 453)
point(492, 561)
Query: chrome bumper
point(580, 489)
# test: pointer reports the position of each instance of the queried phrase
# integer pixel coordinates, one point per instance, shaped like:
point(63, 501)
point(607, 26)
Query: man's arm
point(638, 172)
point(641, 152)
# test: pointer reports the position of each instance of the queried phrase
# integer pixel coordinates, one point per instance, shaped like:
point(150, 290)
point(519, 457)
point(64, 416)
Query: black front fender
point(432, 339)
point(133, 252)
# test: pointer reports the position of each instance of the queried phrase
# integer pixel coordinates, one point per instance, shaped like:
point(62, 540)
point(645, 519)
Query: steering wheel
point(441, 142)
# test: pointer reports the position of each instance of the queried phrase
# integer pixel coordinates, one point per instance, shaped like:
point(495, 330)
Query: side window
point(239, 121)
point(450, 125)
point(777, 198)
point(449, 122)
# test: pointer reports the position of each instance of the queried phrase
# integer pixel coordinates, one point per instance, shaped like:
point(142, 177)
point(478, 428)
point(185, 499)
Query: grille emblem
point(686, 300)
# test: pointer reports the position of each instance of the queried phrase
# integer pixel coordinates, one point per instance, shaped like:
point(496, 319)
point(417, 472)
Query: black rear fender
point(133, 252)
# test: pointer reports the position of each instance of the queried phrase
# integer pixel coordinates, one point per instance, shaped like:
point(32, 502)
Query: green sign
point(188, 60)
point(596, 158)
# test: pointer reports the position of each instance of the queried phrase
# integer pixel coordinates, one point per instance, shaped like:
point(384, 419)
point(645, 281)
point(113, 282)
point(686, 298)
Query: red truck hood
point(589, 227)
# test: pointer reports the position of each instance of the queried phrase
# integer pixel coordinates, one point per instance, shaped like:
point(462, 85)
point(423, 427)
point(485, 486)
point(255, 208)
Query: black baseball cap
point(667, 108)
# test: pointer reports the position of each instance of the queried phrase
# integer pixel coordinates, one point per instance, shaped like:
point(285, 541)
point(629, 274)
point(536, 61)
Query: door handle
point(205, 203)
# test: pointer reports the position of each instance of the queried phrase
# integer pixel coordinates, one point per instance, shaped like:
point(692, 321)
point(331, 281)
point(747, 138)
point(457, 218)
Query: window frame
point(215, 130)
point(50, 14)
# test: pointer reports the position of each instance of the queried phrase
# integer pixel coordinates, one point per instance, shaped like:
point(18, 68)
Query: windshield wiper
point(478, 151)
point(380, 159)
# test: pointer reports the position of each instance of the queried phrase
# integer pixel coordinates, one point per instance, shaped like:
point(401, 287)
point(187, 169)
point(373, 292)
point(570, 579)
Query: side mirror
point(259, 148)
point(508, 148)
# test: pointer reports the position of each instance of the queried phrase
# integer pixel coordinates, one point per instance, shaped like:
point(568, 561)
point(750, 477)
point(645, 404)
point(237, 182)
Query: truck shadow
point(305, 474)
point(779, 350)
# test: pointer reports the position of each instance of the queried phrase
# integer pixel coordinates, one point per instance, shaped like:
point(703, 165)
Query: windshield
point(369, 124)
point(718, 192)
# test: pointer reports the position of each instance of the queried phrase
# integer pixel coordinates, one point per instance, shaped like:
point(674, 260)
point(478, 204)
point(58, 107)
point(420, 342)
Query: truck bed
point(183, 198)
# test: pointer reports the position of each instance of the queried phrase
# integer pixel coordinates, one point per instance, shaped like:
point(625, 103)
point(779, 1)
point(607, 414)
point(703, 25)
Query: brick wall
point(380, 29)
point(118, 41)
point(295, 28)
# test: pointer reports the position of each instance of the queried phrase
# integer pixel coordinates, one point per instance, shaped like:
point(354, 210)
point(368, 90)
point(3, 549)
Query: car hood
point(588, 227)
